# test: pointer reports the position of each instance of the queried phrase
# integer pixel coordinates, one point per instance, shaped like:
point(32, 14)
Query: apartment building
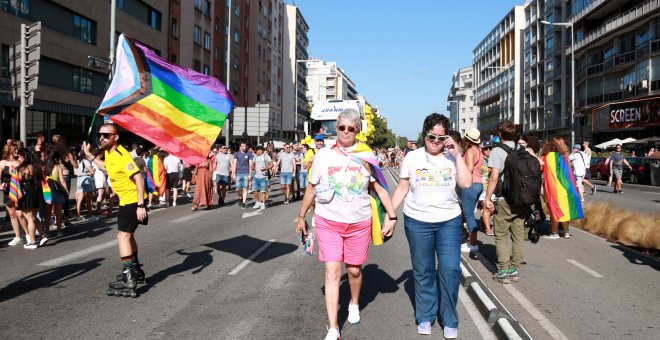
point(326, 81)
point(617, 56)
point(463, 114)
point(497, 66)
point(294, 107)
point(69, 88)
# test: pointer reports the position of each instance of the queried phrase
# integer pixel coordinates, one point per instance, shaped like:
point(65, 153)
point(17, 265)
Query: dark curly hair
point(435, 119)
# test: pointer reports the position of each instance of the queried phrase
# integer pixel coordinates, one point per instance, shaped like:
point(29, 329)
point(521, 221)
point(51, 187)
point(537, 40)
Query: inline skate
point(125, 285)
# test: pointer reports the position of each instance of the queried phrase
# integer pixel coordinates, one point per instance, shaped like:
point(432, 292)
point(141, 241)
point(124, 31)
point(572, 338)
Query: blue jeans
point(241, 181)
point(302, 177)
point(436, 290)
point(469, 198)
point(286, 178)
point(260, 184)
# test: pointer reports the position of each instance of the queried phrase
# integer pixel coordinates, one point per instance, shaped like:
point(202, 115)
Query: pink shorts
point(343, 242)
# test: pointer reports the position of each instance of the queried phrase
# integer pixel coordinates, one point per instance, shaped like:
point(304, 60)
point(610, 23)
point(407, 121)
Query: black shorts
point(172, 180)
point(127, 218)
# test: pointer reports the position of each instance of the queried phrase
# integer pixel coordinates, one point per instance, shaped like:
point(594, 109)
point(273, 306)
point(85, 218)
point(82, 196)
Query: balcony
point(586, 10)
point(616, 22)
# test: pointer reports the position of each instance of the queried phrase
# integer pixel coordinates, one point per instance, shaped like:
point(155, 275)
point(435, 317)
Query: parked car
point(640, 173)
point(599, 170)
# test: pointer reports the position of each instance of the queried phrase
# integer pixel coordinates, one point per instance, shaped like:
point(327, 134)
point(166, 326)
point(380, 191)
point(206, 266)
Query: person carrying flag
point(128, 183)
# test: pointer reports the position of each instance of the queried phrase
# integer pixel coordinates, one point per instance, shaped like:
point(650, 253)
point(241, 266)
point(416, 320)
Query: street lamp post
point(227, 122)
point(569, 24)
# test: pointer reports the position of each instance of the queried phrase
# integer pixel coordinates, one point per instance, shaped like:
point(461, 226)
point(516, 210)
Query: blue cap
point(319, 136)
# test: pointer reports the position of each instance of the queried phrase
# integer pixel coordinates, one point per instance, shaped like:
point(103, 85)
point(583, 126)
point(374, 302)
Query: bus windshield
point(326, 127)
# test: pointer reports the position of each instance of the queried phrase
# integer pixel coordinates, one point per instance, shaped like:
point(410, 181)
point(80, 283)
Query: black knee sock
point(136, 262)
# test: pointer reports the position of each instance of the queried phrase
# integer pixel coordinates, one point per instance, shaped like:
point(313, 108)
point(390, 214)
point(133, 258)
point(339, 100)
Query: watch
point(141, 206)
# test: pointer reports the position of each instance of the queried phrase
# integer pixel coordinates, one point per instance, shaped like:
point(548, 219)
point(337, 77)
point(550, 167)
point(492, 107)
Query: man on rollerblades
point(128, 183)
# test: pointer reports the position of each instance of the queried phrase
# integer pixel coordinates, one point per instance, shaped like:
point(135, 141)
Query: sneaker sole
point(516, 279)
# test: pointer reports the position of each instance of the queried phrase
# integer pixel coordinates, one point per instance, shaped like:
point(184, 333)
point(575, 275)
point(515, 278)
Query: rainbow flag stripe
point(48, 195)
point(175, 108)
point(560, 189)
point(157, 174)
point(15, 189)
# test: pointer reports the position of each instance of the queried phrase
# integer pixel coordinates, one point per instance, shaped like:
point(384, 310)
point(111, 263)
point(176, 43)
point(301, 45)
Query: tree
point(383, 137)
point(402, 141)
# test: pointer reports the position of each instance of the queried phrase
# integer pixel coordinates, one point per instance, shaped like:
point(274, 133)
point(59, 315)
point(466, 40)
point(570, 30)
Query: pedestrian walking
point(262, 165)
point(287, 162)
point(298, 156)
point(617, 161)
point(54, 174)
point(8, 167)
point(486, 148)
point(173, 167)
point(579, 166)
point(509, 218)
point(68, 162)
point(128, 183)
point(30, 175)
point(339, 183)
point(587, 161)
point(432, 221)
point(222, 170)
point(186, 178)
point(470, 196)
point(560, 188)
point(203, 196)
point(241, 171)
point(84, 187)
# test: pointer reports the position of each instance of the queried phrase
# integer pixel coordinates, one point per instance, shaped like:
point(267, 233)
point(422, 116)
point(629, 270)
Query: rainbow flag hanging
point(157, 174)
point(15, 189)
point(175, 108)
point(560, 188)
point(48, 195)
point(365, 155)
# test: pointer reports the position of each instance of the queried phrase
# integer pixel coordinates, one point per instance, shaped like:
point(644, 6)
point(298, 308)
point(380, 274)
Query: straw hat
point(473, 135)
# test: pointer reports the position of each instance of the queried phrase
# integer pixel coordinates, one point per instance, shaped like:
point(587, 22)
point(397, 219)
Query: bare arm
point(469, 159)
point(308, 199)
point(62, 181)
point(87, 148)
point(387, 230)
point(400, 192)
point(492, 183)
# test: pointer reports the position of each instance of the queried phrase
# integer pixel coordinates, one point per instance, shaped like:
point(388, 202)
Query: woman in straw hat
point(473, 160)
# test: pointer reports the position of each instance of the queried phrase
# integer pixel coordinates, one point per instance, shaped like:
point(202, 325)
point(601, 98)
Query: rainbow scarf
point(45, 188)
point(560, 188)
point(15, 189)
point(364, 155)
point(176, 108)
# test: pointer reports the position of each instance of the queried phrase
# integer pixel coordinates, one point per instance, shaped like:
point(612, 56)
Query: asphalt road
point(635, 197)
point(198, 287)
point(229, 273)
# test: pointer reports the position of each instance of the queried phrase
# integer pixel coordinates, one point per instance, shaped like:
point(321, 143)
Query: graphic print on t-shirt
point(346, 181)
point(433, 176)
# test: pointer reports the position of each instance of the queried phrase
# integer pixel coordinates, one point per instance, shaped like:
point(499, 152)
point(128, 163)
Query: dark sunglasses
point(436, 138)
point(343, 128)
point(105, 135)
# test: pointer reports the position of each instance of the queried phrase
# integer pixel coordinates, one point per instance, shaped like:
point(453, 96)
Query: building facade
point(326, 81)
point(463, 114)
point(294, 102)
point(497, 66)
point(69, 89)
point(617, 57)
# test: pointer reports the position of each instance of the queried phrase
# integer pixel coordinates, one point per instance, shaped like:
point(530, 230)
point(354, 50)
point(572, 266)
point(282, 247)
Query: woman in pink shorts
point(339, 185)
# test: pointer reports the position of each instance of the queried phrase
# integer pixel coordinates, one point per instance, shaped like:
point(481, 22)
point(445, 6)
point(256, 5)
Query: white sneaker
point(333, 334)
point(465, 248)
point(174, 204)
point(551, 236)
point(567, 235)
point(263, 206)
point(424, 328)
point(28, 240)
point(43, 241)
point(257, 205)
point(450, 333)
point(353, 314)
point(30, 246)
point(15, 241)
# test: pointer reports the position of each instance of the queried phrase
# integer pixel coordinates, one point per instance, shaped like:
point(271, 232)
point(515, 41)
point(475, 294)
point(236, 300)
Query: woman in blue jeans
point(432, 221)
point(470, 196)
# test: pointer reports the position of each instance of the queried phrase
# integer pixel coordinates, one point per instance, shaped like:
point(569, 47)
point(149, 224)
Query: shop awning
point(608, 144)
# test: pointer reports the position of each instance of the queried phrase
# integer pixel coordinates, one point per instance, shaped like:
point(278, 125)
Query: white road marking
point(254, 213)
point(552, 330)
point(583, 267)
point(81, 253)
point(479, 321)
point(250, 258)
point(191, 216)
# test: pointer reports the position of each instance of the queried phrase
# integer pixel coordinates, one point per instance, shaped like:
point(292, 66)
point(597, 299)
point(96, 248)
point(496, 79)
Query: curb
point(504, 325)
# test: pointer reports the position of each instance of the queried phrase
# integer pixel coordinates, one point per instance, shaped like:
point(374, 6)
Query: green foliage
point(383, 137)
point(402, 141)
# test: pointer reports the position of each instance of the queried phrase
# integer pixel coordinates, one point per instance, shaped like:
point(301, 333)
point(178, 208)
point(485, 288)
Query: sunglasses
point(436, 138)
point(105, 135)
point(343, 128)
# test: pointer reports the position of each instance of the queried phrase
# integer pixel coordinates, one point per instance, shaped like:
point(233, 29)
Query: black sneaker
point(474, 255)
point(242, 205)
point(620, 192)
point(593, 190)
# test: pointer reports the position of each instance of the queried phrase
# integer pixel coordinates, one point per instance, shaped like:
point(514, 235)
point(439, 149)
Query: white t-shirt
point(349, 182)
point(432, 195)
point(172, 164)
point(578, 159)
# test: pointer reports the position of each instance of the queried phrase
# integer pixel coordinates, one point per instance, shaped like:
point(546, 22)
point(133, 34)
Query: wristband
point(141, 206)
point(301, 216)
point(392, 218)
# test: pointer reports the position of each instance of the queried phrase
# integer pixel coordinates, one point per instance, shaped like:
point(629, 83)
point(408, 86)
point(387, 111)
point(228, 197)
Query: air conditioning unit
point(644, 84)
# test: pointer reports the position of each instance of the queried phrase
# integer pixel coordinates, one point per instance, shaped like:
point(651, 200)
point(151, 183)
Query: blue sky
point(401, 54)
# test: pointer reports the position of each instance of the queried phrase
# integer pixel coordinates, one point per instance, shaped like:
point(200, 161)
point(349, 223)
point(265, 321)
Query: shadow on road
point(245, 245)
point(47, 278)
point(193, 260)
point(636, 258)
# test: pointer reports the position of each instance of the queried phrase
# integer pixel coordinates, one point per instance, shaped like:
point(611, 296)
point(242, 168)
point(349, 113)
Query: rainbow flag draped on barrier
point(560, 189)
point(157, 175)
point(365, 155)
point(177, 109)
point(15, 189)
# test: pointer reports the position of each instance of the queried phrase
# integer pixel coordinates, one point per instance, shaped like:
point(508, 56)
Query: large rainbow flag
point(560, 189)
point(176, 108)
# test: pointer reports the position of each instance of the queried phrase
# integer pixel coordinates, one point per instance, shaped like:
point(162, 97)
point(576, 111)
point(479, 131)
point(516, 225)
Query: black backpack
point(521, 184)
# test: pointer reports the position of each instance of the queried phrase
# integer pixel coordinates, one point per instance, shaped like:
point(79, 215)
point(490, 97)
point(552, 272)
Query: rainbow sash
point(15, 189)
point(560, 188)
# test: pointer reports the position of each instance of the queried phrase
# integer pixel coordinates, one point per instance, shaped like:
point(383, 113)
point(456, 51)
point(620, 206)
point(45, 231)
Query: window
point(549, 66)
point(5, 61)
point(154, 19)
point(207, 41)
point(84, 29)
point(549, 43)
point(173, 59)
point(82, 80)
point(121, 5)
point(206, 70)
point(197, 35)
point(197, 65)
point(198, 4)
point(207, 8)
point(217, 24)
point(216, 53)
point(16, 7)
point(237, 9)
point(175, 28)
point(550, 90)
point(227, 30)
point(237, 38)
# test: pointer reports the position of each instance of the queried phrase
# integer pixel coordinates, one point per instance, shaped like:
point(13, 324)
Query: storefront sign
point(637, 113)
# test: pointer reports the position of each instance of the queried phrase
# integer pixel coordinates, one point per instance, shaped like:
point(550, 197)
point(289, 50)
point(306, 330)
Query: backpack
point(521, 184)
